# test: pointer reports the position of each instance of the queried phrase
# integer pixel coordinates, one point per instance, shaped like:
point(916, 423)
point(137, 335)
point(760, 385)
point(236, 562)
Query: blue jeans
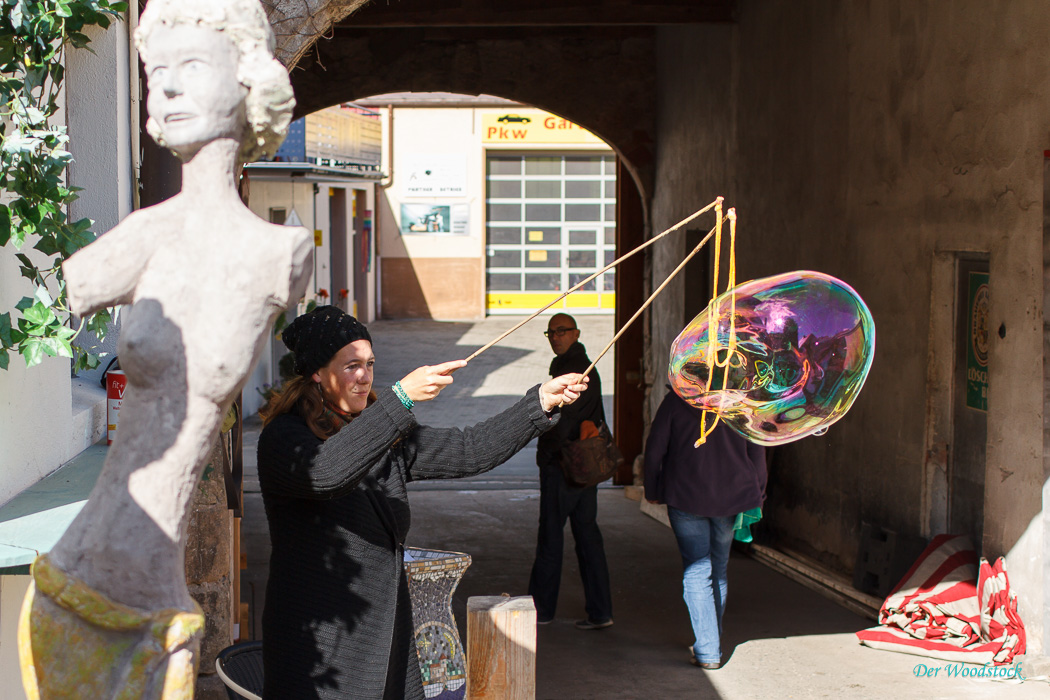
point(704, 544)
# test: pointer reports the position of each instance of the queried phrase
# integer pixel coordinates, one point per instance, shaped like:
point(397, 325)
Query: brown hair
point(304, 395)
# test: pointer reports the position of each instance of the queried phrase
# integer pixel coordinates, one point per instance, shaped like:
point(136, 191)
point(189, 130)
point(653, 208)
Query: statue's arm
point(302, 253)
point(106, 272)
point(294, 265)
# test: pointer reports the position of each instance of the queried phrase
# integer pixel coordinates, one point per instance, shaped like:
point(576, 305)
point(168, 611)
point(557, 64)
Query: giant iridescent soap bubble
point(804, 342)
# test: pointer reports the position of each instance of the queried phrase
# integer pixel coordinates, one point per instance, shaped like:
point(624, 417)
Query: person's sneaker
point(592, 625)
point(544, 622)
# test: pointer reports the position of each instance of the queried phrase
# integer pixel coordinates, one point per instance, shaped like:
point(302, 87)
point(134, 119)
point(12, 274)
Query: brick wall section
point(442, 288)
point(209, 568)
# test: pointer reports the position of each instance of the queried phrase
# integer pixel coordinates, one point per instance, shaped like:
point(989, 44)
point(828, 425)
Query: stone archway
point(297, 24)
point(599, 75)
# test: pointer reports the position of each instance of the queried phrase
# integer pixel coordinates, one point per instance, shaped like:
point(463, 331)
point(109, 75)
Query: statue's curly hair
point(270, 99)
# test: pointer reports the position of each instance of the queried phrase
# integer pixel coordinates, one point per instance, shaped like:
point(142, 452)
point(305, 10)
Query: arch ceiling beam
point(525, 13)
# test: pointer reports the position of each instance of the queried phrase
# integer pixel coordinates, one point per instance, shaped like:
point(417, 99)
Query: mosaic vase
point(432, 579)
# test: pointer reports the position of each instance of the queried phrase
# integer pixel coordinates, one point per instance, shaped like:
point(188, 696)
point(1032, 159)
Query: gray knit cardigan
point(337, 620)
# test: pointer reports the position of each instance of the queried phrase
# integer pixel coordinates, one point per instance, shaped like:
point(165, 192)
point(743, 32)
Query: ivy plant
point(34, 35)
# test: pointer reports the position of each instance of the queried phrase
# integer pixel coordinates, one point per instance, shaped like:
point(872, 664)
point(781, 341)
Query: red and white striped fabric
point(946, 607)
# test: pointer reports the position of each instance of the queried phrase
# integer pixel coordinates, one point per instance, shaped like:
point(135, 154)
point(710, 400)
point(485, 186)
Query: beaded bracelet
point(405, 401)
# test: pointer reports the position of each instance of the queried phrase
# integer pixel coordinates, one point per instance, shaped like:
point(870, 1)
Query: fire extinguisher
point(115, 382)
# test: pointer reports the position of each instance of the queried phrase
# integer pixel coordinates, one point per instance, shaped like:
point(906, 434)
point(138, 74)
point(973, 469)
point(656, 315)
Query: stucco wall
point(694, 164)
point(36, 421)
point(98, 109)
point(869, 137)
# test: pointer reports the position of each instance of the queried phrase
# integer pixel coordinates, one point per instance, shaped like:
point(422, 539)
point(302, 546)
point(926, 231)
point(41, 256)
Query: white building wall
point(420, 132)
point(99, 119)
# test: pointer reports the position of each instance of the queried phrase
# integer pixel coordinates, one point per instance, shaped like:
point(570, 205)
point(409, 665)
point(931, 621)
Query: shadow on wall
point(402, 293)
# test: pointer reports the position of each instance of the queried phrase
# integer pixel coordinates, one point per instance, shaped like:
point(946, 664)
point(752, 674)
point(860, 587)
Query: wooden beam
point(501, 648)
point(498, 13)
point(818, 578)
point(628, 422)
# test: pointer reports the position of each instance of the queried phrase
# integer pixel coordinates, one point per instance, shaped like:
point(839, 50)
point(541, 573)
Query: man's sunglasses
point(558, 332)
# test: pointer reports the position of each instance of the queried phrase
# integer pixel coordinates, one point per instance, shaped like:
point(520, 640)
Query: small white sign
point(434, 175)
point(461, 219)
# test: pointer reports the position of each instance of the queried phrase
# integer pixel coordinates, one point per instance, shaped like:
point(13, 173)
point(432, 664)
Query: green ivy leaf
point(5, 330)
point(33, 352)
point(47, 245)
point(27, 268)
point(17, 15)
point(78, 40)
point(57, 347)
point(43, 296)
point(39, 314)
point(4, 359)
point(279, 324)
point(5, 224)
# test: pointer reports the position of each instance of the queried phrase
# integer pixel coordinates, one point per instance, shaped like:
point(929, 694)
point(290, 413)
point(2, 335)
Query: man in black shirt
point(559, 501)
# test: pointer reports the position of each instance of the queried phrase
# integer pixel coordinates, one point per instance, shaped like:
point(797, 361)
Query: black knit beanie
point(316, 337)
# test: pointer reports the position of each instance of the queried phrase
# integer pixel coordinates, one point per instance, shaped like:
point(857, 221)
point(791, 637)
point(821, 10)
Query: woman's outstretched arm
point(295, 463)
point(448, 453)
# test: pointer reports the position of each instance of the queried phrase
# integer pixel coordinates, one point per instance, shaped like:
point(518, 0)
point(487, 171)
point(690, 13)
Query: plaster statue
point(108, 614)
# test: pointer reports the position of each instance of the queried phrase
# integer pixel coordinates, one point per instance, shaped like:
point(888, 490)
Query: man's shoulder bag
point(592, 459)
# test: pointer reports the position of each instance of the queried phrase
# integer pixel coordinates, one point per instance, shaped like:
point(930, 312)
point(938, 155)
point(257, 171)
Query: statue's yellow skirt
point(74, 642)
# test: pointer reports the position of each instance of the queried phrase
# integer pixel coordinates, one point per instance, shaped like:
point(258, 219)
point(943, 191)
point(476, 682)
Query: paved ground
point(782, 640)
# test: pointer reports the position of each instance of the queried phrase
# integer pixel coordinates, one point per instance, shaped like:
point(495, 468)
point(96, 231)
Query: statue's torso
point(205, 300)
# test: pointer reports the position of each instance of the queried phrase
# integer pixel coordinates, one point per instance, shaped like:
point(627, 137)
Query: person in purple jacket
point(705, 488)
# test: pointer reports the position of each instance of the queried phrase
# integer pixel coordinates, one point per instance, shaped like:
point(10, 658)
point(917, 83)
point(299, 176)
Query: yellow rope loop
point(705, 431)
point(730, 284)
point(712, 313)
point(714, 317)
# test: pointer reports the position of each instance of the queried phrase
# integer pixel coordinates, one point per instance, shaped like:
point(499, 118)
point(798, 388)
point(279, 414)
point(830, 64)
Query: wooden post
point(501, 648)
point(628, 422)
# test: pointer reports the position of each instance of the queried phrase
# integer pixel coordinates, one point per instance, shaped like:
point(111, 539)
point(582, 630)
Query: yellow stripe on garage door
point(530, 301)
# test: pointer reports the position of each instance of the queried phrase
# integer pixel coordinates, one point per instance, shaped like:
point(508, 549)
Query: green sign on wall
point(977, 342)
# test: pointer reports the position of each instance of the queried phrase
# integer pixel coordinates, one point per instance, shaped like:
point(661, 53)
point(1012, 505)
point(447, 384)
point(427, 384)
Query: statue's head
point(212, 74)
point(804, 345)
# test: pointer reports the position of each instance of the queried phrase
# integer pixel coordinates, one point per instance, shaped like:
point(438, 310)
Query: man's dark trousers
point(559, 501)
